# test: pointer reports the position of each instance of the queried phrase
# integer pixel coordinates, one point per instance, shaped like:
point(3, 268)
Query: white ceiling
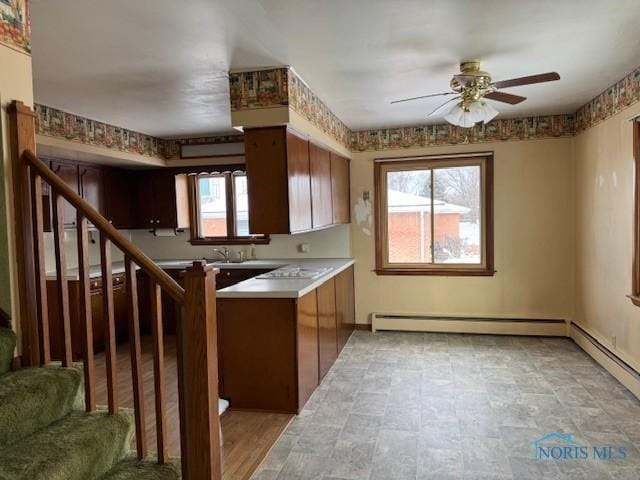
point(160, 66)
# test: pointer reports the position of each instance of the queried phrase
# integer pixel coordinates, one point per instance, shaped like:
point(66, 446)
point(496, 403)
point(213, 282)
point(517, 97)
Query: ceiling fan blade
point(505, 97)
point(440, 108)
point(514, 82)
point(424, 96)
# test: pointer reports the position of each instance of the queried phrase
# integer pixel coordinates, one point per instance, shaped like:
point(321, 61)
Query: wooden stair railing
point(196, 328)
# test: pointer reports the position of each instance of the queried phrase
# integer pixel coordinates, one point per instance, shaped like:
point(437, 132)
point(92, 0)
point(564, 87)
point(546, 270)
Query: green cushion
point(132, 469)
point(32, 398)
point(81, 446)
point(7, 347)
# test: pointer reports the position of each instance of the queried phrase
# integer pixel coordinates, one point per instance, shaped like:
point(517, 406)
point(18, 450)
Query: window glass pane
point(457, 215)
point(409, 216)
point(213, 206)
point(242, 205)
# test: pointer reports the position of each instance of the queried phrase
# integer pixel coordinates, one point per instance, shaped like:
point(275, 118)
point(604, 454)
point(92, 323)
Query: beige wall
point(534, 231)
point(604, 234)
point(15, 84)
point(327, 243)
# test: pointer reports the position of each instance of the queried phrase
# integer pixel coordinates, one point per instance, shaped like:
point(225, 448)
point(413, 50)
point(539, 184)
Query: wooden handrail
point(168, 284)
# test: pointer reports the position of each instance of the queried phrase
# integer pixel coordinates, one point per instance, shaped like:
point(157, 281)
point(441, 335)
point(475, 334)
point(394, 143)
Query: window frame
point(429, 162)
point(635, 268)
point(194, 207)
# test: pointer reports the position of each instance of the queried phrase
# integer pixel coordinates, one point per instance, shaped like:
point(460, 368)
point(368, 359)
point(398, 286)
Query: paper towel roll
point(164, 232)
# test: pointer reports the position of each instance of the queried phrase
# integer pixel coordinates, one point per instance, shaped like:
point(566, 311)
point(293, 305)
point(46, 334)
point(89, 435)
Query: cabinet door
point(307, 344)
point(345, 306)
point(120, 311)
point(68, 172)
point(98, 320)
point(340, 189)
point(144, 205)
point(164, 200)
point(321, 199)
point(327, 327)
point(120, 188)
point(91, 186)
point(267, 183)
point(299, 183)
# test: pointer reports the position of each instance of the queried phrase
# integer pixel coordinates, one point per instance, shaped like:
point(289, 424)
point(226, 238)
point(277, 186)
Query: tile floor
point(442, 406)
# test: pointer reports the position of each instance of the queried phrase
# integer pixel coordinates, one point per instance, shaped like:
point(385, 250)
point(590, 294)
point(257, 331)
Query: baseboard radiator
point(625, 373)
point(467, 324)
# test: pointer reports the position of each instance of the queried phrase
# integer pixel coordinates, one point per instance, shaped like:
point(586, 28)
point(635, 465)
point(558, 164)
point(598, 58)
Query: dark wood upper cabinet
point(340, 189)
point(68, 172)
point(291, 184)
point(92, 186)
point(119, 187)
point(299, 183)
point(267, 180)
point(321, 197)
point(277, 163)
point(161, 200)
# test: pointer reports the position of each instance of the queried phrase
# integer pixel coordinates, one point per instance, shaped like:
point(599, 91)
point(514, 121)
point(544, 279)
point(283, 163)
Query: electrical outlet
point(304, 248)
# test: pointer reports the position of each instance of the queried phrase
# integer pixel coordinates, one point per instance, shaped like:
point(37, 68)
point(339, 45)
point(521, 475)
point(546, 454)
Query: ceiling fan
point(471, 87)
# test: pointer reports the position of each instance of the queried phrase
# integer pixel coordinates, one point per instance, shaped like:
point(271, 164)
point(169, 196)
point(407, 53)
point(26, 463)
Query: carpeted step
point(132, 469)
point(7, 347)
point(32, 398)
point(81, 446)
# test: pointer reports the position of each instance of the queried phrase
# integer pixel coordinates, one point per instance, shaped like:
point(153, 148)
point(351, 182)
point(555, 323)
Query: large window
point(221, 209)
point(434, 215)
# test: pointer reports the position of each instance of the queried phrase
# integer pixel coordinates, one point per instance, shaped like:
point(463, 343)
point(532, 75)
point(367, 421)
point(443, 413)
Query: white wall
point(71, 250)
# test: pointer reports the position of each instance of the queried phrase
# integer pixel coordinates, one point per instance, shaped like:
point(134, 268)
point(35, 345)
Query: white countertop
point(253, 287)
point(285, 288)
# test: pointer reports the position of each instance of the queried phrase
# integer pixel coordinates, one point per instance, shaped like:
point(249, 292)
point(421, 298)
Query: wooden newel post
point(22, 137)
point(198, 376)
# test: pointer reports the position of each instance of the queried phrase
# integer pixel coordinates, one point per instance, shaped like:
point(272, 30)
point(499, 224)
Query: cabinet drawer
point(95, 284)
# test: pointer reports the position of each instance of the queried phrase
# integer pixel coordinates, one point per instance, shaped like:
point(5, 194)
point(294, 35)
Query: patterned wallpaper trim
point(500, 130)
point(282, 86)
point(614, 99)
point(15, 24)
point(68, 126)
point(52, 122)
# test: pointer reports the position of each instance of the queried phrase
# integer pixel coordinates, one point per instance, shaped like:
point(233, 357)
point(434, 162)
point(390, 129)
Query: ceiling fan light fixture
point(477, 111)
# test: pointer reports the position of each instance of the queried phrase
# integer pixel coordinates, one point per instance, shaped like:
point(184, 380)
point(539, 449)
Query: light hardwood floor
point(247, 436)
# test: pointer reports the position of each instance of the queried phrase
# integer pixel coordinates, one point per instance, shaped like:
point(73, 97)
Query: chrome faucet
point(224, 253)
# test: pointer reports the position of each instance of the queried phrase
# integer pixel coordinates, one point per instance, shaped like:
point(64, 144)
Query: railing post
point(198, 376)
point(22, 137)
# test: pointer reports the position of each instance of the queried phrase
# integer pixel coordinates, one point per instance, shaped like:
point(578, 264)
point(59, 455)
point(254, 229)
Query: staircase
point(50, 425)
point(45, 434)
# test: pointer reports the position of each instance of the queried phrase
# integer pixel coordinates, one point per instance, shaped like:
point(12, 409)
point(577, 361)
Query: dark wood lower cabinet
point(345, 306)
point(327, 326)
point(97, 316)
point(307, 336)
point(257, 353)
point(273, 352)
